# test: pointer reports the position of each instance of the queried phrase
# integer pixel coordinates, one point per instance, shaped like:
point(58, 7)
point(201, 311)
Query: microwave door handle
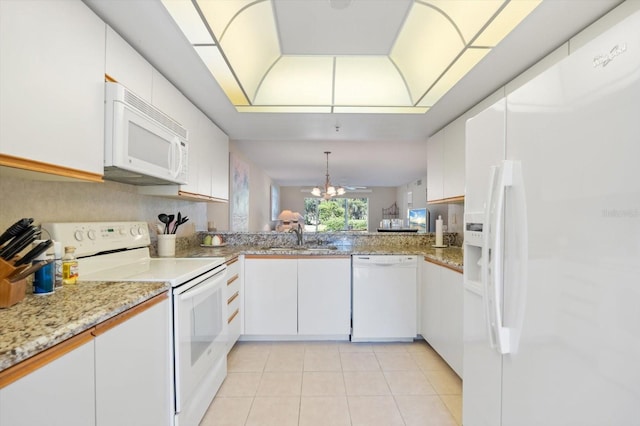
point(176, 154)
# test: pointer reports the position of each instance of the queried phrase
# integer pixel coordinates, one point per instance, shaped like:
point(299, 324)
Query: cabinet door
point(324, 296)
point(133, 370)
point(60, 393)
point(127, 66)
point(430, 304)
point(271, 296)
point(218, 162)
point(52, 66)
point(234, 297)
point(453, 159)
point(452, 318)
point(435, 166)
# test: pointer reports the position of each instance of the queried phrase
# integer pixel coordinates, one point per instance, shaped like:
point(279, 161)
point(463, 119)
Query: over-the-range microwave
point(143, 145)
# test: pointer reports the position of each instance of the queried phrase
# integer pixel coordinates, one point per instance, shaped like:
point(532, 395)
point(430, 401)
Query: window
point(336, 214)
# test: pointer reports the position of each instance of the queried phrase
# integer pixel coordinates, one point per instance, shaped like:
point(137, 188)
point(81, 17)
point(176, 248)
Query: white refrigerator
point(552, 245)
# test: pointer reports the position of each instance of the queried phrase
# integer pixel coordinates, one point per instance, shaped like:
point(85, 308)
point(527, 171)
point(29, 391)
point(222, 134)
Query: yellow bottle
point(69, 266)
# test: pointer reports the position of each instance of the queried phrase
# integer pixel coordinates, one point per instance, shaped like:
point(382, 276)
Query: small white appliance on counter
point(119, 251)
point(384, 298)
point(142, 145)
point(552, 243)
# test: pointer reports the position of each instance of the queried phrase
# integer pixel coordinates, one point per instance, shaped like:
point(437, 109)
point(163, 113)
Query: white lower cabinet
point(441, 312)
point(122, 376)
point(324, 296)
point(60, 393)
point(234, 297)
point(291, 296)
point(430, 307)
point(271, 296)
point(133, 365)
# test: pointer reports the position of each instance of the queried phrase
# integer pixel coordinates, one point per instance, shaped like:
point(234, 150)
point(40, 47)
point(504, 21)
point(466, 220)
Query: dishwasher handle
point(384, 261)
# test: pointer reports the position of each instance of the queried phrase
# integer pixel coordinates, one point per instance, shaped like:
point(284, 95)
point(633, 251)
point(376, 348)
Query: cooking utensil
point(20, 242)
point(22, 273)
point(182, 222)
point(175, 225)
point(15, 229)
point(34, 252)
point(164, 219)
point(171, 217)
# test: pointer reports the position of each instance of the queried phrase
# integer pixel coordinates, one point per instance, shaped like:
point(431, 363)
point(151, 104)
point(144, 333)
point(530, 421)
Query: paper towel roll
point(439, 231)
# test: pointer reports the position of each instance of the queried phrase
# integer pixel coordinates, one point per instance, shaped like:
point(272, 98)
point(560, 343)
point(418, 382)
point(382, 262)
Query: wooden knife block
point(10, 292)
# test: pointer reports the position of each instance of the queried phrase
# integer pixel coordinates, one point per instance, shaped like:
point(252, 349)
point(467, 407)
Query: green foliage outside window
point(336, 214)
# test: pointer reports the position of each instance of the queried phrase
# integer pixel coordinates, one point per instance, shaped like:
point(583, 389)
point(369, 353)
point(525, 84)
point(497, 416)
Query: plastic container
point(69, 266)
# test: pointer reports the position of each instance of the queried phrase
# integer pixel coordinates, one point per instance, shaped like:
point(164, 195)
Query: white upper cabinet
point(52, 67)
point(453, 160)
point(216, 164)
point(435, 166)
point(445, 162)
point(126, 66)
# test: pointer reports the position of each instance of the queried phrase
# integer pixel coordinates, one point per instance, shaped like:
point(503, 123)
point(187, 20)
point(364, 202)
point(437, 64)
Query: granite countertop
point(450, 257)
point(40, 322)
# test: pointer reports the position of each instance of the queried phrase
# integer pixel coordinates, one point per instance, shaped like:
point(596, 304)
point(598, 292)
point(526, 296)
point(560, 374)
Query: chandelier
point(329, 190)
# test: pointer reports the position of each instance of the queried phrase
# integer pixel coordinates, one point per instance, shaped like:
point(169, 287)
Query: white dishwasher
point(384, 298)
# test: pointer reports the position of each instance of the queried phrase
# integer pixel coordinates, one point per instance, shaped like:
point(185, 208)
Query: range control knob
point(141, 230)
point(121, 231)
point(91, 234)
point(78, 235)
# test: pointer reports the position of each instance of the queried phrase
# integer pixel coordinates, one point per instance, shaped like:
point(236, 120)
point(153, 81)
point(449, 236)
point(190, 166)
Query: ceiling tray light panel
point(433, 44)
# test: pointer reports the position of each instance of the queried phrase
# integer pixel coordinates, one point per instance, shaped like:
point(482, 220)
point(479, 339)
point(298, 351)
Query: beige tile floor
point(335, 384)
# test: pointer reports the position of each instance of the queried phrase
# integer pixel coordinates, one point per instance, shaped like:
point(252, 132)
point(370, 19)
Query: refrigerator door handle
point(485, 257)
point(497, 258)
point(518, 261)
point(503, 334)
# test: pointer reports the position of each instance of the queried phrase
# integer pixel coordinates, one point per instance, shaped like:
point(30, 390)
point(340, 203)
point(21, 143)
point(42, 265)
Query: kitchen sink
point(303, 248)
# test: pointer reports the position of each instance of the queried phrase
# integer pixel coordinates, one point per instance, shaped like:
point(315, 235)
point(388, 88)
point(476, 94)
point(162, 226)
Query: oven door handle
point(202, 287)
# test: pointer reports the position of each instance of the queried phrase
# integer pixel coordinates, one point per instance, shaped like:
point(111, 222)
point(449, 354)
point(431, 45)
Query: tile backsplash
point(51, 201)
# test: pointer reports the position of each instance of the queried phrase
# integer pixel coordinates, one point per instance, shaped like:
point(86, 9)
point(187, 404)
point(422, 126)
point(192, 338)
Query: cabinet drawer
point(233, 302)
point(234, 328)
point(233, 267)
point(233, 284)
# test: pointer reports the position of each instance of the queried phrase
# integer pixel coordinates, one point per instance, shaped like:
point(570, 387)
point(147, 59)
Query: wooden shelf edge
point(458, 199)
point(49, 169)
point(201, 197)
point(445, 265)
point(112, 322)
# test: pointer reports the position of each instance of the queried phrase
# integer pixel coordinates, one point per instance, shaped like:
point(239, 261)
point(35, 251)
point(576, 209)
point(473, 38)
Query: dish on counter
point(440, 246)
point(213, 245)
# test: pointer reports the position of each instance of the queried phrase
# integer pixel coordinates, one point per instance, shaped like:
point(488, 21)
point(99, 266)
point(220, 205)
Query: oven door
point(200, 331)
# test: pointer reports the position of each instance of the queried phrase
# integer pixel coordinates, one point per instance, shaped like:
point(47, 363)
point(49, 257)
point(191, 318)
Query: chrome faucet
point(298, 232)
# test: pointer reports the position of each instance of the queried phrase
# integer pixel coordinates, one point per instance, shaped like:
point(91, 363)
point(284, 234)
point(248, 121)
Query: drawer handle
point(232, 261)
point(232, 298)
point(232, 279)
point(233, 315)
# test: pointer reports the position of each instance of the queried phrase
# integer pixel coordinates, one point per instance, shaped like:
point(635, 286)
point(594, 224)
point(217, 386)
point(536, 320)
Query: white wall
point(292, 198)
point(259, 198)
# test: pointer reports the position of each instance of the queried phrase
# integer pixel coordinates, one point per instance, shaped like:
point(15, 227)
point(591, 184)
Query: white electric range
point(119, 251)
